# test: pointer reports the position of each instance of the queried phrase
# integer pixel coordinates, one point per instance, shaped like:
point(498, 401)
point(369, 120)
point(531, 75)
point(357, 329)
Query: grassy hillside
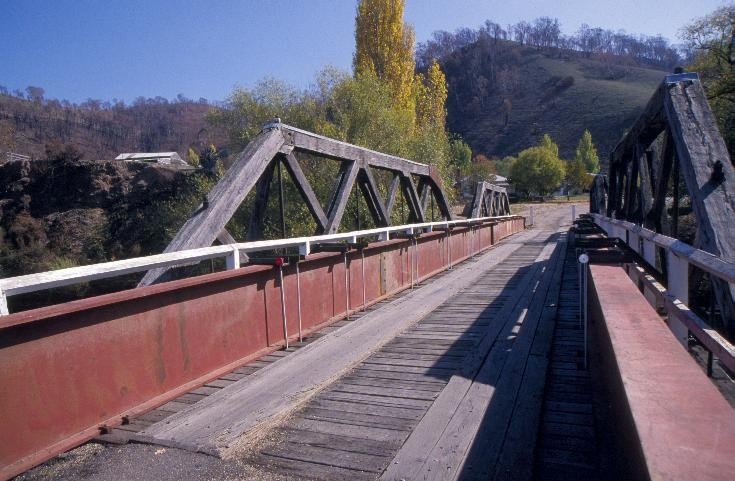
point(523, 93)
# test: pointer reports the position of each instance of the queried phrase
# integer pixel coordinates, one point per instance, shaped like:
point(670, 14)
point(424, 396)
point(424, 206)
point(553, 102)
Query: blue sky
point(106, 49)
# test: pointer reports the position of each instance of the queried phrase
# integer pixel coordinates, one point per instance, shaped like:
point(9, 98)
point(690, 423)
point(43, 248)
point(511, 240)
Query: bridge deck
point(456, 392)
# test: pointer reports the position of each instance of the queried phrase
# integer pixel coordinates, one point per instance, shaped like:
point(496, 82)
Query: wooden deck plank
point(390, 436)
point(303, 470)
point(328, 456)
point(437, 447)
point(391, 392)
point(393, 383)
point(422, 404)
point(370, 409)
point(515, 461)
point(356, 444)
point(357, 419)
point(507, 438)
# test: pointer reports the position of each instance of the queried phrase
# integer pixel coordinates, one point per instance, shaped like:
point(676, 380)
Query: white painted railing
point(675, 298)
point(63, 277)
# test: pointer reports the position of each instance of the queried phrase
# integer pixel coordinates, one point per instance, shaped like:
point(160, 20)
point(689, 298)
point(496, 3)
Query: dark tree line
point(545, 33)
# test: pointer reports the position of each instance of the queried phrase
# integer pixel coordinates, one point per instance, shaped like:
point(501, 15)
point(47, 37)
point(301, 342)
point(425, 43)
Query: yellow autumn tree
point(431, 97)
point(384, 47)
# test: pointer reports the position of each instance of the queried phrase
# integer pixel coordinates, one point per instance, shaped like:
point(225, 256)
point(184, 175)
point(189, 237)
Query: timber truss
point(676, 136)
point(489, 201)
point(276, 146)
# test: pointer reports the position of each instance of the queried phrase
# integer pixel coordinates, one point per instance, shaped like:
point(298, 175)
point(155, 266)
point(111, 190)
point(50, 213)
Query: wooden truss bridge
point(439, 348)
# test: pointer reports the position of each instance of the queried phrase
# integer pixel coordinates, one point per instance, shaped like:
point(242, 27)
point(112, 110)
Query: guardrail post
point(678, 286)
point(583, 261)
point(449, 248)
point(347, 290)
point(232, 261)
point(574, 213)
point(634, 241)
point(649, 252)
point(620, 232)
point(3, 304)
point(416, 246)
point(298, 297)
point(283, 302)
point(362, 266)
point(530, 215)
point(410, 259)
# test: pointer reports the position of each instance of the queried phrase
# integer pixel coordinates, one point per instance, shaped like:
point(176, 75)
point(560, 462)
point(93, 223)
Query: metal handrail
point(63, 277)
point(709, 263)
point(675, 300)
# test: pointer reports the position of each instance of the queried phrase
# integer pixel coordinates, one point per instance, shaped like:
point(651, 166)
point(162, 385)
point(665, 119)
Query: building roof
point(160, 157)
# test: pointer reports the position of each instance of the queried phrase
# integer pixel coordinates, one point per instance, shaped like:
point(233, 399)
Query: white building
point(169, 158)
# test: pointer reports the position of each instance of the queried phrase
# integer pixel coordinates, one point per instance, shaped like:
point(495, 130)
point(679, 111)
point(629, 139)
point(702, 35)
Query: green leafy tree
point(503, 166)
point(711, 42)
point(538, 170)
point(548, 143)
point(246, 110)
point(460, 154)
point(577, 176)
point(362, 111)
point(587, 153)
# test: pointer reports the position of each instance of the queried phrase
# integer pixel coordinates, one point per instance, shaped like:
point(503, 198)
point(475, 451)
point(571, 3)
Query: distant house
point(169, 158)
point(14, 157)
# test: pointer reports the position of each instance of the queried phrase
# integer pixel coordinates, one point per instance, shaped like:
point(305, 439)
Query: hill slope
point(503, 97)
point(101, 131)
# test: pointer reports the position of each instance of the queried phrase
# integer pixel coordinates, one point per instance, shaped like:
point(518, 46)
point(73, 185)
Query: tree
point(362, 111)
point(482, 168)
point(577, 176)
point(35, 94)
point(503, 166)
point(550, 145)
point(538, 170)
point(587, 153)
point(384, 47)
point(711, 41)
point(431, 97)
point(460, 154)
point(57, 151)
point(522, 32)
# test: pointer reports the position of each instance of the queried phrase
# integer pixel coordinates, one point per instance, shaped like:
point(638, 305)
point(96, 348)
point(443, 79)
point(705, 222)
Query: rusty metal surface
point(672, 418)
point(66, 370)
